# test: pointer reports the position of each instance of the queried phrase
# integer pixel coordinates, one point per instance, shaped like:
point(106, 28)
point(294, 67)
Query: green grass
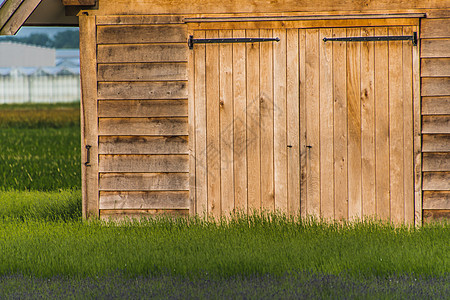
point(244, 247)
point(47, 250)
point(40, 147)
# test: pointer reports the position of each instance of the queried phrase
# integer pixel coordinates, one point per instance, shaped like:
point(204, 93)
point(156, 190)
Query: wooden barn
point(334, 108)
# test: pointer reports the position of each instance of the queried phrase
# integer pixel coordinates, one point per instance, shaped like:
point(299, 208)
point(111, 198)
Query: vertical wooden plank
point(340, 125)
point(326, 126)
point(312, 122)
point(240, 124)
point(280, 143)
point(253, 124)
point(212, 123)
point(396, 127)
point(302, 116)
point(266, 98)
point(417, 123)
point(200, 127)
point(226, 125)
point(408, 129)
point(368, 125)
point(293, 130)
point(382, 176)
point(354, 125)
point(191, 121)
point(89, 124)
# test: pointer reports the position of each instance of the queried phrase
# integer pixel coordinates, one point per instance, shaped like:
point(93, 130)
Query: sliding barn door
point(303, 126)
point(358, 99)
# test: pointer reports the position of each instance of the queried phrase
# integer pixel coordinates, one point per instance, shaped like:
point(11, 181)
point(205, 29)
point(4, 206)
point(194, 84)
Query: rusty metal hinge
point(193, 41)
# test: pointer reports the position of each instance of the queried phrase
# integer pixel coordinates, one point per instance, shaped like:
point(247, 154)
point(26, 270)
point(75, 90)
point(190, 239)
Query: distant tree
point(38, 39)
point(68, 39)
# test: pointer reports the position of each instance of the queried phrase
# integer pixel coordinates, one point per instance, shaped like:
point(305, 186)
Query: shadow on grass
point(290, 286)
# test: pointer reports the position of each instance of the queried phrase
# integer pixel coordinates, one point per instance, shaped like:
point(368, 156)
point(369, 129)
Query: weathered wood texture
point(144, 200)
point(435, 73)
point(141, 109)
point(89, 120)
point(366, 106)
point(138, 214)
point(264, 6)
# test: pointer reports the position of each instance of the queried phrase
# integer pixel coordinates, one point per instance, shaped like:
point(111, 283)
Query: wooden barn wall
point(134, 79)
point(142, 109)
point(435, 73)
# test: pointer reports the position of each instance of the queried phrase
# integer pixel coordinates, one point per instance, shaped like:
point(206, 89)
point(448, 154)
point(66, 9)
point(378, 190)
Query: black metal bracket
point(412, 38)
point(193, 41)
point(88, 156)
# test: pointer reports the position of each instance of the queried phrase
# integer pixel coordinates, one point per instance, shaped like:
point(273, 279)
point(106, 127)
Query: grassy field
point(48, 251)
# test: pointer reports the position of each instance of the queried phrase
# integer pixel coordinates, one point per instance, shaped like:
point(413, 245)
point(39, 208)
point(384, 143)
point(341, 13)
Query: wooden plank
point(136, 53)
point(240, 124)
point(382, 138)
point(320, 22)
point(18, 16)
point(143, 145)
point(436, 215)
point(144, 200)
point(312, 122)
point(340, 125)
point(293, 122)
point(212, 125)
point(253, 124)
point(408, 128)
point(436, 143)
point(267, 17)
point(226, 127)
point(143, 108)
point(368, 182)
point(144, 181)
point(435, 28)
point(220, 7)
point(436, 181)
point(302, 116)
point(143, 126)
point(78, 2)
point(434, 47)
point(436, 200)
point(436, 86)
point(142, 72)
point(326, 126)
point(192, 133)
point(435, 67)
point(137, 214)
point(396, 115)
point(89, 120)
point(436, 162)
point(139, 20)
point(417, 136)
point(354, 126)
point(134, 34)
point(436, 105)
point(142, 90)
point(8, 8)
point(144, 163)
point(280, 116)
point(436, 124)
point(267, 111)
point(201, 175)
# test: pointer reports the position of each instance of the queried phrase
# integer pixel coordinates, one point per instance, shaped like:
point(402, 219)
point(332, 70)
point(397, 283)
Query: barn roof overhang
point(17, 13)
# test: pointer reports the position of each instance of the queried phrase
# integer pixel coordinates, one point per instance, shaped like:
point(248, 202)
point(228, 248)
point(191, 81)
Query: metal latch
point(193, 41)
point(412, 38)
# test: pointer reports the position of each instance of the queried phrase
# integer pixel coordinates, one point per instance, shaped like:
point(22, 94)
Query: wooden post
point(89, 124)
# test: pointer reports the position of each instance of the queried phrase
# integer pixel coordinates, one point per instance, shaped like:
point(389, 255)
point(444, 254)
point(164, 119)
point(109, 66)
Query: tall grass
point(39, 148)
point(243, 247)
